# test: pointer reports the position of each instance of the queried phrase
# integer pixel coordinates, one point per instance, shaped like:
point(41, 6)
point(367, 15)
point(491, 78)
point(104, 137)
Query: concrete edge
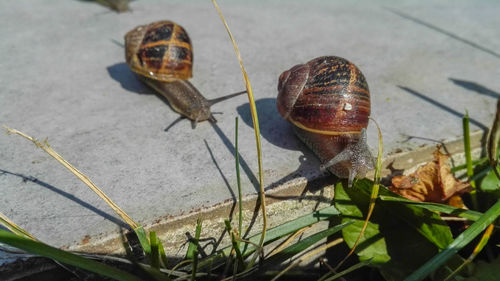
point(284, 202)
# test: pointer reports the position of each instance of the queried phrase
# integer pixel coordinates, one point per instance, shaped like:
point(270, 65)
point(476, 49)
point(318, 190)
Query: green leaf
point(163, 256)
point(155, 251)
point(143, 239)
point(490, 183)
point(443, 208)
point(192, 250)
point(461, 241)
point(42, 249)
point(394, 231)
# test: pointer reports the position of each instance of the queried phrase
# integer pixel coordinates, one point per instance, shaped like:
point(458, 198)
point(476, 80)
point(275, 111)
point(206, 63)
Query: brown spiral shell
point(328, 101)
point(160, 50)
point(328, 95)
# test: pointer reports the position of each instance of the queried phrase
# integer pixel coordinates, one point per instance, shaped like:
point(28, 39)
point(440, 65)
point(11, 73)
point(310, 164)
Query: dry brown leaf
point(432, 182)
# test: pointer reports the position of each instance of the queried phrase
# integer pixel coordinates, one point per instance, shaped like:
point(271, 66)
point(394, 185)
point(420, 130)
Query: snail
point(328, 102)
point(161, 55)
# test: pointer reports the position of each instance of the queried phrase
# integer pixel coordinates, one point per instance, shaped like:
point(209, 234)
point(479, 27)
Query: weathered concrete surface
point(63, 77)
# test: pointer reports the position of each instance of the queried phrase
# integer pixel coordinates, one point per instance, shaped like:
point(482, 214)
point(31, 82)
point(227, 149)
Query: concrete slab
point(63, 77)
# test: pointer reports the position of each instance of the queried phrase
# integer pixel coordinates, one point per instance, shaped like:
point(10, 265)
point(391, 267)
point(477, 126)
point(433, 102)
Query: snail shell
point(328, 102)
point(161, 55)
point(160, 50)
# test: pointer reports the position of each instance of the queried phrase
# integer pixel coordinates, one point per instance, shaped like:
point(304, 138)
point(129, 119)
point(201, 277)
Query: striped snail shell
point(161, 55)
point(160, 50)
point(328, 102)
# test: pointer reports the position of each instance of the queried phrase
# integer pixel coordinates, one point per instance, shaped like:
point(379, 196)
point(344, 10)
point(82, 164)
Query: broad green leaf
point(395, 231)
point(372, 245)
point(490, 183)
point(427, 223)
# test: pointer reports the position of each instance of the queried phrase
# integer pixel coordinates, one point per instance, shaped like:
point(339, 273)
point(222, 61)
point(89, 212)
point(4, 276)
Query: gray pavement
point(63, 76)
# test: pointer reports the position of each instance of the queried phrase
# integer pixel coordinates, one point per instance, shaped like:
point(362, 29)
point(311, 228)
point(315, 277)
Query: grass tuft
point(255, 120)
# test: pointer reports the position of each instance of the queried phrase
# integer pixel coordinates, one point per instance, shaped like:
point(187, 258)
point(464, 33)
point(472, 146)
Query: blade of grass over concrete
point(193, 243)
point(443, 208)
point(143, 240)
point(255, 120)
point(155, 251)
point(374, 194)
point(308, 256)
point(235, 244)
point(461, 241)
point(238, 181)
point(163, 256)
point(479, 247)
point(192, 251)
point(278, 232)
point(46, 147)
point(44, 250)
point(294, 225)
point(302, 245)
point(468, 159)
point(287, 241)
point(479, 161)
point(10, 225)
point(493, 137)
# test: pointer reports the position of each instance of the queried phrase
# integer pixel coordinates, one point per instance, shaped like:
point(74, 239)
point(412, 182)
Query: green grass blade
point(468, 159)
point(479, 247)
point(155, 252)
point(163, 256)
point(192, 252)
point(193, 244)
point(16, 229)
point(300, 246)
point(328, 277)
point(447, 209)
point(461, 241)
point(492, 144)
point(255, 121)
point(280, 231)
point(42, 249)
point(143, 239)
point(477, 162)
point(235, 244)
point(238, 181)
point(294, 225)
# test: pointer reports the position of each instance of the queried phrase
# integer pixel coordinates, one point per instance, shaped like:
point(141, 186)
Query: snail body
point(328, 101)
point(161, 55)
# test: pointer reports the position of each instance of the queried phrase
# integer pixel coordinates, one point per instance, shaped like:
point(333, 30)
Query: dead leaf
point(432, 182)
